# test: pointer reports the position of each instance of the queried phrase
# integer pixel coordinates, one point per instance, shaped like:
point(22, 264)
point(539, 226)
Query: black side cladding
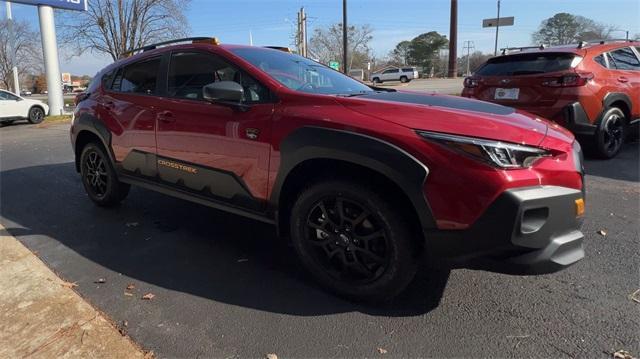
point(311, 143)
point(458, 103)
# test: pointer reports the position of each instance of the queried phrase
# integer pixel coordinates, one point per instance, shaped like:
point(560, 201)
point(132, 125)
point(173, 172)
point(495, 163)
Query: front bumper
point(532, 229)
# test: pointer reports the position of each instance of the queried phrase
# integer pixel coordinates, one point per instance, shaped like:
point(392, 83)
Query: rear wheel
point(36, 115)
point(376, 80)
point(611, 133)
point(404, 79)
point(99, 177)
point(353, 241)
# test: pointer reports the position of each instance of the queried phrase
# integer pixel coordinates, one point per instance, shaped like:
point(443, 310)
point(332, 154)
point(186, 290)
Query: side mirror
point(229, 92)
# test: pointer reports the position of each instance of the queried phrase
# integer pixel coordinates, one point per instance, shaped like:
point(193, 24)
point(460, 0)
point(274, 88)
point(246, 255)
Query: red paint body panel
point(458, 189)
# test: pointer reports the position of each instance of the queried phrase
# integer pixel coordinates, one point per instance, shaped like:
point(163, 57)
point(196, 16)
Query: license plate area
point(507, 94)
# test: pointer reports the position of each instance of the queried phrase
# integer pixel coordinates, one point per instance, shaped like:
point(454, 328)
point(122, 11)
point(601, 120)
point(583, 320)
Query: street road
point(225, 286)
point(441, 86)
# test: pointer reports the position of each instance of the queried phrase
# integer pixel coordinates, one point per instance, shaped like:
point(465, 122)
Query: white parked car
point(403, 75)
point(14, 107)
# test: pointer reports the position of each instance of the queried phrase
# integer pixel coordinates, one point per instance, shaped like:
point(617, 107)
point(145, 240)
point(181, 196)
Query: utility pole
point(298, 33)
point(468, 45)
point(453, 40)
point(344, 37)
point(12, 51)
point(495, 51)
point(303, 32)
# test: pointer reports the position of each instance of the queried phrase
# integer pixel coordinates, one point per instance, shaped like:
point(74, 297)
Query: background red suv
point(592, 89)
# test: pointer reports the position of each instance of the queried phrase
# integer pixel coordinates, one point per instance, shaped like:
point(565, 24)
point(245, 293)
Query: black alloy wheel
point(36, 115)
point(99, 177)
point(611, 133)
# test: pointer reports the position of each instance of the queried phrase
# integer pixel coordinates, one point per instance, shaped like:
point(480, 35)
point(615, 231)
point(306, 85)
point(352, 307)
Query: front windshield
point(301, 74)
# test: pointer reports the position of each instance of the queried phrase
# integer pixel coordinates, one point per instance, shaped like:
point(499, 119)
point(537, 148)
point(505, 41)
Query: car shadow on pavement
point(626, 164)
point(178, 245)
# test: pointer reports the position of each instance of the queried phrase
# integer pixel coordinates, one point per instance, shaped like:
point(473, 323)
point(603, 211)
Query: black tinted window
point(600, 59)
point(393, 71)
point(526, 64)
point(408, 69)
point(625, 59)
point(189, 72)
point(140, 77)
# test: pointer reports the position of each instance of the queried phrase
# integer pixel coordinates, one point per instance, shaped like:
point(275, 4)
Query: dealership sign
point(80, 5)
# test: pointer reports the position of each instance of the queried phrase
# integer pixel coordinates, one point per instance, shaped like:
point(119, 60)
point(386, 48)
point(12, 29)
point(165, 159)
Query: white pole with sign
point(50, 54)
point(12, 51)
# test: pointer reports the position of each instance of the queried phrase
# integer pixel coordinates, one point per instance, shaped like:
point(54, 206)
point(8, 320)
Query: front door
point(211, 149)
point(10, 106)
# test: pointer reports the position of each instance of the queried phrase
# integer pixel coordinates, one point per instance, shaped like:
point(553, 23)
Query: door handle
point(166, 116)
point(623, 79)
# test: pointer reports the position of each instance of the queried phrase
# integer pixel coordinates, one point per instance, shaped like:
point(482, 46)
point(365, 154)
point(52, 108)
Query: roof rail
point(506, 50)
point(193, 40)
point(582, 44)
point(281, 48)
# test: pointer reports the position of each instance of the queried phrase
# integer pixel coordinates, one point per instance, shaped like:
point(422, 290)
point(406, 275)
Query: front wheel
point(99, 177)
point(36, 115)
point(353, 241)
point(611, 133)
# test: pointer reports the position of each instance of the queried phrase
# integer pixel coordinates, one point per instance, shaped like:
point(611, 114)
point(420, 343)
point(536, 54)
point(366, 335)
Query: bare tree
point(28, 52)
point(114, 27)
point(326, 44)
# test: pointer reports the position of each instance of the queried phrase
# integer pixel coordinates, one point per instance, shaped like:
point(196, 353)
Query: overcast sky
point(270, 21)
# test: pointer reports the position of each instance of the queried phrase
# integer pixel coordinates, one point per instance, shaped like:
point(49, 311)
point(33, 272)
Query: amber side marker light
point(579, 207)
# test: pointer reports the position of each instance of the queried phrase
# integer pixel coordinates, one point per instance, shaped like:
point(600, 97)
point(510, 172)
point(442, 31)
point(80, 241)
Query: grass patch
point(57, 119)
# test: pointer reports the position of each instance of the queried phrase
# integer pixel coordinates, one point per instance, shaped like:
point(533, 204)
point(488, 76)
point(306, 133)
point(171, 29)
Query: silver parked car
point(404, 74)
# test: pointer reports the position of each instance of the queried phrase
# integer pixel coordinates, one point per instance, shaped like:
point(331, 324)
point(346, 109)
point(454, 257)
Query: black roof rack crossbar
point(521, 48)
point(582, 44)
point(154, 46)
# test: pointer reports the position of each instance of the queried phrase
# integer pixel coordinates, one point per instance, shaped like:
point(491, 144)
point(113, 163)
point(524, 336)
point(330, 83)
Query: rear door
point(128, 108)
point(517, 80)
point(390, 75)
point(211, 149)
point(625, 69)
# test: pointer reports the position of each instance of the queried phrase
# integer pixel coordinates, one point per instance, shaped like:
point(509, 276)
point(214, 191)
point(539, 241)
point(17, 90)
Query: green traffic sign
point(334, 65)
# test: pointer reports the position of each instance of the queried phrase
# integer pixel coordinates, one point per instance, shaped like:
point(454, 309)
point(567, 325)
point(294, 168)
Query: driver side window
point(189, 72)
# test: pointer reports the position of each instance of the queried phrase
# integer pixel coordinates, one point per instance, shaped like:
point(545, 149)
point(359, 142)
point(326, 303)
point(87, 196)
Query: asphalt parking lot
point(225, 286)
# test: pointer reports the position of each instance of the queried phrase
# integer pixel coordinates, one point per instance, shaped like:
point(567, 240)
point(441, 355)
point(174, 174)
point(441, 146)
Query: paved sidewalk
point(42, 317)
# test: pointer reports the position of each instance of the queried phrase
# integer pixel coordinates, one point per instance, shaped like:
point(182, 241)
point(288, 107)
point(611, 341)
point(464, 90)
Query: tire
point(376, 80)
point(404, 79)
point(99, 177)
point(611, 133)
point(353, 241)
point(36, 115)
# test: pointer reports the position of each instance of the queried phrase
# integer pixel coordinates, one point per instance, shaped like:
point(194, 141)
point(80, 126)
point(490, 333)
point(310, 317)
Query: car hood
point(451, 114)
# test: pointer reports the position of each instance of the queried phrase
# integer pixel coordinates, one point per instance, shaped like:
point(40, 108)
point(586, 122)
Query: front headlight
point(496, 153)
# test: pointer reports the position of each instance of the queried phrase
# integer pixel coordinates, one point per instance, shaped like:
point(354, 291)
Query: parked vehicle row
point(593, 89)
point(364, 181)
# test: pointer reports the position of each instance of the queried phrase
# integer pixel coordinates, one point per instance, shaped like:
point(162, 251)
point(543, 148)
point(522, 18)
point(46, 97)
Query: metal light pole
point(50, 54)
point(12, 51)
point(495, 51)
point(453, 41)
point(344, 37)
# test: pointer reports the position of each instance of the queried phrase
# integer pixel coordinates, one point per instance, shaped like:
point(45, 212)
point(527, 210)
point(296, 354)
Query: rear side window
point(140, 77)
point(408, 69)
point(526, 64)
point(625, 59)
point(600, 60)
point(392, 71)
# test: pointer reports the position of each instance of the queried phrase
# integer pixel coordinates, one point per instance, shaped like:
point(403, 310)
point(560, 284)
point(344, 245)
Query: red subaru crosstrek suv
point(362, 180)
point(593, 89)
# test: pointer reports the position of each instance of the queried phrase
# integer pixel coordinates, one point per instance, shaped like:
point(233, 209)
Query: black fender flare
point(397, 165)
point(612, 97)
point(89, 123)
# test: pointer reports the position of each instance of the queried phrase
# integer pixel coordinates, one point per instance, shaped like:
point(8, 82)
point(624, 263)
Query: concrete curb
point(42, 317)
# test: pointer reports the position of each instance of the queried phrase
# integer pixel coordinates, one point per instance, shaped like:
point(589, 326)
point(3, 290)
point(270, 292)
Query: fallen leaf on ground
point(100, 281)
point(128, 294)
point(271, 356)
point(132, 224)
point(382, 351)
point(148, 296)
point(602, 232)
point(635, 296)
point(69, 284)
point(125, 323)
point(131, 286)
point(623, 354)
